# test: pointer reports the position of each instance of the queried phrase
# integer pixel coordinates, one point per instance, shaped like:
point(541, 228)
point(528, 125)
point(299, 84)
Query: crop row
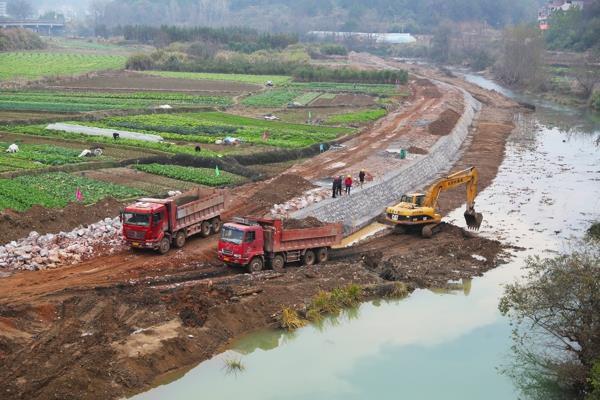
point(356, 117)
point(57, 190)
point(243, 78)
point(32, 156)
point(204, 127)
point(33, 65)
point(203, 176)
point(271, 98)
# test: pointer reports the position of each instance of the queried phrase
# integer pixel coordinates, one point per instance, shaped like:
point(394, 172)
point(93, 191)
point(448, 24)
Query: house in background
point(3, 12)
point(559, 5)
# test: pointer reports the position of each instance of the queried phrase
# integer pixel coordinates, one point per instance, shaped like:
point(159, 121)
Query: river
point(433, 344)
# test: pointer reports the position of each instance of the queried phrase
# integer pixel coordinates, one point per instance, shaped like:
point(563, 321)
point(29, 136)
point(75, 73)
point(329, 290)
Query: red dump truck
point(158, 223)
point(256, 242)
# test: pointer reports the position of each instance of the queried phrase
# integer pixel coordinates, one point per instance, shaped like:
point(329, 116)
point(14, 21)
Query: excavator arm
point(468, 177)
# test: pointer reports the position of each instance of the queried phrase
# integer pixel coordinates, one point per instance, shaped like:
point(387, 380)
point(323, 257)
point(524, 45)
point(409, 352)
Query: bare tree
point(520, 59)
point(19, 9)
point(587, 79)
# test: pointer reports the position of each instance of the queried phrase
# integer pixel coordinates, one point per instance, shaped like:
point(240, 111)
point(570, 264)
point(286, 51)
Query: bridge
point(44, 27)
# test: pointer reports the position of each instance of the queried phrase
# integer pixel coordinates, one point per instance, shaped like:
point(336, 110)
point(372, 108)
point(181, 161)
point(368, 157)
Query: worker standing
point(339, 186)
point(334, 187)
point(348, 184)
point(361, 177)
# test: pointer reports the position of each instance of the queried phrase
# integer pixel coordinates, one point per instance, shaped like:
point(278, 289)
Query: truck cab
point(240, 243)
point(145, 224)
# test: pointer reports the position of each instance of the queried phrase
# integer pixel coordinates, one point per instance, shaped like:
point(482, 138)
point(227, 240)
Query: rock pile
point(37, 251)
point(298, 203)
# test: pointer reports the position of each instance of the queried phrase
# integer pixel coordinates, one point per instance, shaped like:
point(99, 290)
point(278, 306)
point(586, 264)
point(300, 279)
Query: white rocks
point(54, 250)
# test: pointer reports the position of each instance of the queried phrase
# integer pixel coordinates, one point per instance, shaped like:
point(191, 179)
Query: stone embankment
point(364, 205)
point(37, 251)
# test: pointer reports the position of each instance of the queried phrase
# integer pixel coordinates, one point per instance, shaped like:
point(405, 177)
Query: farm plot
point(55, 190)
point(138, 145)
point(356, 117)
point(372, 89)
point(34, 65)
point(203, 176)
point(31, 156)
point(75, 101)
point(254, 79)
point(208, 127)
point(271, 98)
point(131, 177)
point(127, 81)
point(305, 98)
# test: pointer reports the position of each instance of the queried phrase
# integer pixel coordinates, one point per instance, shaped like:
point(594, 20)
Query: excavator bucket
point(473, 219)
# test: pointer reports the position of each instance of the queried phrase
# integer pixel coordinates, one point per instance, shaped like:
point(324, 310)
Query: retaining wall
point(364, 205)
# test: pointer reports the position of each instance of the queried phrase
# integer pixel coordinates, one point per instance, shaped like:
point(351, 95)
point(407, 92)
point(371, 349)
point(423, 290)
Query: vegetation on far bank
point(19, 39)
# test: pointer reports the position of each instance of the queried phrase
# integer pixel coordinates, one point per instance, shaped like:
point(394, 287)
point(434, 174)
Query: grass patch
point(356, 117)
point(34, 65)
point(69, 101)
point(398, 290)
point(594, 231)
point(324, 303)
point(243, 78)
point(56, 190)
point(234, 365)
point(203, 176)
point(290, 320)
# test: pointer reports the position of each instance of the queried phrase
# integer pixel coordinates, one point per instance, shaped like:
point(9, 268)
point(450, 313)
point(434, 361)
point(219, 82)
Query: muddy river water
point(433, 344)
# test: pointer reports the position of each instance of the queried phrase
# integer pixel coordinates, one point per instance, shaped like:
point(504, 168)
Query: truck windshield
point(136, 219)
point(232, 235)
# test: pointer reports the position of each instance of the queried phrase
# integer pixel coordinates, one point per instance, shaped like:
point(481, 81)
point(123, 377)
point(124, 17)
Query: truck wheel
point(216, 224)
point(205, 228)
point(256, 265)
point(309, 257)
point(322, 255)
point(180, 239)
point(278, 262)
point(164, 246)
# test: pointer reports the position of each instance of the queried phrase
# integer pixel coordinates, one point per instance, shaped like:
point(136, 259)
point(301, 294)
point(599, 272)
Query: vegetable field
point(255, 79)
point(55, 190)
point(207, 127)
point(31, 156)
point(356, 117)
point(373, 89)
point(271, 98)
point(34, 65)
point(203, 176)
point(70, 101)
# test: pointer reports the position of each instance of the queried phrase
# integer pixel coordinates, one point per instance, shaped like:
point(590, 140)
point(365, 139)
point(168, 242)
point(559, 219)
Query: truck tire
point(216, 224)
point(164, 246)
point(180, 239)
point(205, 229)
point(256, 265)
point(322, 255)
point(277, 262)
point(309, 257)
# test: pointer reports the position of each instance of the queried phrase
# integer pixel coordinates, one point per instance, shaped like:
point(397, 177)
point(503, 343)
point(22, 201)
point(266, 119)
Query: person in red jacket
point(348, 184)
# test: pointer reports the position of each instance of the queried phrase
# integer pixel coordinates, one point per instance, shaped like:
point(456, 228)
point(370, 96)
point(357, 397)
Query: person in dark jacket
point(339, 186)
point(361, 177)
point(334, 187)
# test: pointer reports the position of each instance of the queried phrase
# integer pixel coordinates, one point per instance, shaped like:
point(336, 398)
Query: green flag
point(217, 172)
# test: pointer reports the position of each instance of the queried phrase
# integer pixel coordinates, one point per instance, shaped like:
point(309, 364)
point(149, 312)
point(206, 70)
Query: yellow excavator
point(418, 211)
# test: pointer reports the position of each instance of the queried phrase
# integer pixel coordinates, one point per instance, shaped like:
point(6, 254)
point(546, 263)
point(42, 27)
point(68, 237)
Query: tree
point(520, 58)
point(556, 315)
point(19, 9)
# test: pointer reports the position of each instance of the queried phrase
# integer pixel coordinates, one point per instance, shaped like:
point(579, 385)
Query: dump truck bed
point(278, 239)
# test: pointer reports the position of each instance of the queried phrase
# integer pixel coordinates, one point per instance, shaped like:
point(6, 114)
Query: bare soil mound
point(308, 222)
point(15, 225)
point(132, 81)
point(445, 123)
point(417, 150)
point(278, 191)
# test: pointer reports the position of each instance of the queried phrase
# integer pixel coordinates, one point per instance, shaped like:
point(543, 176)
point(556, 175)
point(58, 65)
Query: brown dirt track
point(68, 333)
point(135, 81)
